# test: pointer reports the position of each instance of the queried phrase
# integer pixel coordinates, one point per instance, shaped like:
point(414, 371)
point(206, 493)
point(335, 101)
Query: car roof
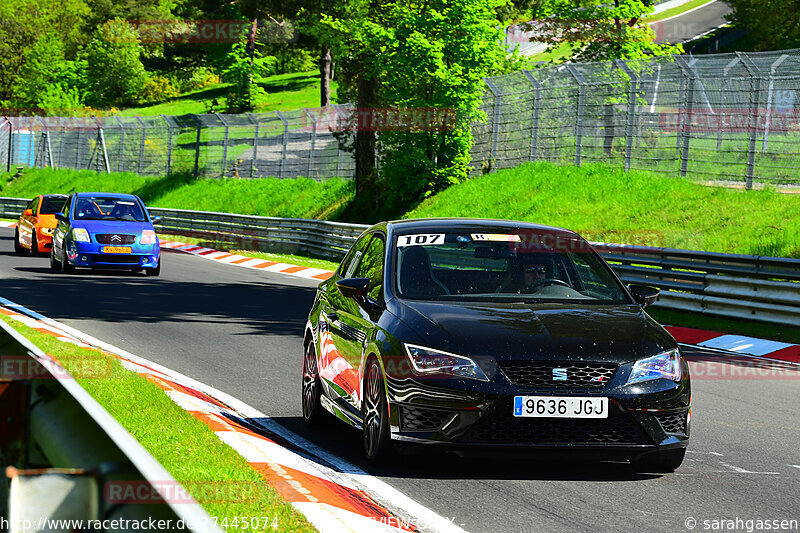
point(62, 196)
point(420, 225)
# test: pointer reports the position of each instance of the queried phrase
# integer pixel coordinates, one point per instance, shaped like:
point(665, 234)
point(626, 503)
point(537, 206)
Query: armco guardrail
point(69, 459)
point(731, 285)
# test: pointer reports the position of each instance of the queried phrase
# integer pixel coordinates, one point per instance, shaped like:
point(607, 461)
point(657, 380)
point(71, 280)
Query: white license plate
point(560, 407)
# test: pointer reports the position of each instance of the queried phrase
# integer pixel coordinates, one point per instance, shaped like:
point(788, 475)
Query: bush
point(158, 89)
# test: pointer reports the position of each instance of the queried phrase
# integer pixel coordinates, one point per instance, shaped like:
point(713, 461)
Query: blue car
point(105, 231)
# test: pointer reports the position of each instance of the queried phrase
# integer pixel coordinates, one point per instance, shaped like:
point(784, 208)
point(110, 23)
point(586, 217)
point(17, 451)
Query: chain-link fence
point(726, 117)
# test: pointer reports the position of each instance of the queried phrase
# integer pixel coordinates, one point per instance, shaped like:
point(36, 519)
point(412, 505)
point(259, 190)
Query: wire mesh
point(730, 117)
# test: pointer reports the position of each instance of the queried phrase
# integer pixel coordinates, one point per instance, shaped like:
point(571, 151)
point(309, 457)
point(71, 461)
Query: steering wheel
point(551, 281)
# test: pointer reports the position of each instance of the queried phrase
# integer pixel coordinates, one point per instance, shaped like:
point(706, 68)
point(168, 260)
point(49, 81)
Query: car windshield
point(108, 208)
point(502, 267)
point(51, 205)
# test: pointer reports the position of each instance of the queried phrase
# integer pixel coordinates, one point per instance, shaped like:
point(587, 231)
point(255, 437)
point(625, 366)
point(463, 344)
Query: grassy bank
point(186, 447)
point(295, 198)
point(606, 204)
point(285, 92)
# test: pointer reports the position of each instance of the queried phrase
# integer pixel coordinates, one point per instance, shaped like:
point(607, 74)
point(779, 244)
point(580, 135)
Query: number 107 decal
point(420, 239)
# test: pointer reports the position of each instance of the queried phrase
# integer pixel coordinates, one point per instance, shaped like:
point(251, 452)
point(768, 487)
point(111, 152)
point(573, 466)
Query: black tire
point(375, 415)
point(18, 249)
point(54, 265)
point(155, 272)
point(313, 412)
point(34, 244)
point(659, 462)
point(66, 268)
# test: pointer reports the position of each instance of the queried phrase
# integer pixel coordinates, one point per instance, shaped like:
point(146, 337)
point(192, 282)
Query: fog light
point(84, 258)
point(145, 260)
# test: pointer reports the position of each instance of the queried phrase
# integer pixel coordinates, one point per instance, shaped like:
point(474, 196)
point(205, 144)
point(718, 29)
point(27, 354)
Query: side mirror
point(353, 287)
point(28, 213)
point(62, 217)
point(156, 220)
point(644, 295)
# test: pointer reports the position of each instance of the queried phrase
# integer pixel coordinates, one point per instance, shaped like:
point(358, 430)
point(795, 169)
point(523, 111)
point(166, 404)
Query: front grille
point(673, 422)
point(413, 418)
point(539, 374)
point(110, 238)
point(499, 426)
point(116, 258)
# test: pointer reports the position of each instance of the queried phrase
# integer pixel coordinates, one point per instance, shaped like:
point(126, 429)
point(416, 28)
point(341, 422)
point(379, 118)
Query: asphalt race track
point(689, 25)
point(240, 331)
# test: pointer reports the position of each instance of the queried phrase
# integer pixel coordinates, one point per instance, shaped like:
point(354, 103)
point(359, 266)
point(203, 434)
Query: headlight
point(47, 231)
point(667, 365)
point(429, 361)
point(80, 235)
point(148, 237)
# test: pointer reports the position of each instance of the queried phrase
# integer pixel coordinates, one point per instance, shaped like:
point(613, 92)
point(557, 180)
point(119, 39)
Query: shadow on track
point(345, 443)
point(113, 296)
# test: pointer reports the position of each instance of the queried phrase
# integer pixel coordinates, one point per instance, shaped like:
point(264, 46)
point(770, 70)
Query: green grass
point(293, 198)
point(186, 447)
point(749, 328)
point(285, 92)
point(557, 55)
point(676, 10)
point(607, 204)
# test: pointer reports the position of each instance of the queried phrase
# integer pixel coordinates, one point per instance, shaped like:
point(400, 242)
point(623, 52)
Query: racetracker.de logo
point(23, 367)
point(187, 492)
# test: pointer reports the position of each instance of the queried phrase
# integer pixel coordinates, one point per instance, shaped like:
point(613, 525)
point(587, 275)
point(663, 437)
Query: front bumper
point(642, 418)
point(91, 255)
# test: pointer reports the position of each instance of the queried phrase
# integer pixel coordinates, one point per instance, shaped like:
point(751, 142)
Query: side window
point(371, 266)
point(67, 205)
point(348, 264)
point(34, 205)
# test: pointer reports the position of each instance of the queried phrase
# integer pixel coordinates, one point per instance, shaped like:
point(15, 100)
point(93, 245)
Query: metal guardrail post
point(77, 146)
point(535, 120)
point(772, 70)
point(340, 153)
point(631, 119)
point(197, 146)
point(689, 76)
point(121, 143)
point(10, 143)
point(141, 147)
point(169, 144)
point(752, 125)
point(255, 144)
point(313, 141)
point(579, 117)
point(495, 119)
point(224, 142)
point(723, 94)
point(285, 141)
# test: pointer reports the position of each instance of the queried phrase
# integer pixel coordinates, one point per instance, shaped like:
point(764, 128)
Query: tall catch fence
point(726, 117)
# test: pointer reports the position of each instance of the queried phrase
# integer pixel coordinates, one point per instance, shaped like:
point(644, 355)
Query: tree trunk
point(365, 136)
point(325, 77)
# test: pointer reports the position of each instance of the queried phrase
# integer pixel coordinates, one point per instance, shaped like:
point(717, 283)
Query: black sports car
point(475, 334)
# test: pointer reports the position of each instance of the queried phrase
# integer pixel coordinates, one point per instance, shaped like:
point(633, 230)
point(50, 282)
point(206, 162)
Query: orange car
point(36, 224)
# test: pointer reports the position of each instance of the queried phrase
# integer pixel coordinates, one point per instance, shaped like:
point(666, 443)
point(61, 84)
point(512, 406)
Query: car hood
point(520, 331)
point(112, 226)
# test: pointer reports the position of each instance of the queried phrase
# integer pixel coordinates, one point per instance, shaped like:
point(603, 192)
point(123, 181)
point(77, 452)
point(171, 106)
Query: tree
point(115, 74)
point(600, 31)
point(244, 93)
point(772, 24)
point(422, 60)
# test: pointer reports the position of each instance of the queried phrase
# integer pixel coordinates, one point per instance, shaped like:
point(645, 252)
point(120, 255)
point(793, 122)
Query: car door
point(355, 325)
point(27, 222)
point(343, 334)
point(62, 228)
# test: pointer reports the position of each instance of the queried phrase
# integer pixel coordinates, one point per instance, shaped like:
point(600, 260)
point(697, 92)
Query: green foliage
point(244, 93)
point(773, 24)
point(602, 31)
point(115, 74)
point(158, 89)
point(424, 59)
